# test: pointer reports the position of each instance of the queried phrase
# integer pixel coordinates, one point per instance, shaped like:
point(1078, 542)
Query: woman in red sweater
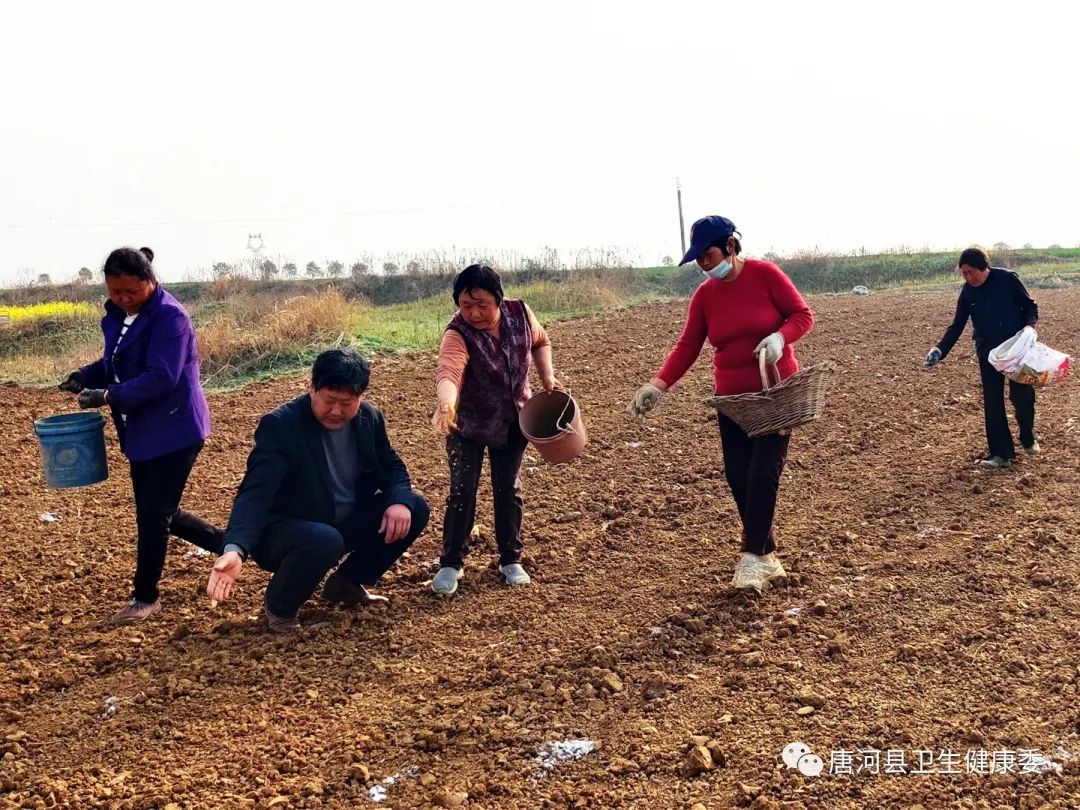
point(744, 307)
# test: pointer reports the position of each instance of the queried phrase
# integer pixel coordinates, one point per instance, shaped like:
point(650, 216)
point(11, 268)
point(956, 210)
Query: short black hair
point(478, 277)
point(974, 257)
point(723, 245)
point(341, 369)
point(127, 261)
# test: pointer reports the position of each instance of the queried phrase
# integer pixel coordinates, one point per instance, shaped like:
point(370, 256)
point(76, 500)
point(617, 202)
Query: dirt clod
point(698, 760)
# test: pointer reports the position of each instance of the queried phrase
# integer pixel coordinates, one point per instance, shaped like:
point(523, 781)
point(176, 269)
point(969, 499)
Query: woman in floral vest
point(482, 382)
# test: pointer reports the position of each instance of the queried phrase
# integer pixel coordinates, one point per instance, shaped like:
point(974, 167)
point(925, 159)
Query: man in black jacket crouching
point(321, 481)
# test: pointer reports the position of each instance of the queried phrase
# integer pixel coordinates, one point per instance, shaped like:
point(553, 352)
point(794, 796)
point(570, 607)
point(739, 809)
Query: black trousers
point(159, 484)
point(753, 468)
point(466, 463)
point(998, 437)
point(302, 552)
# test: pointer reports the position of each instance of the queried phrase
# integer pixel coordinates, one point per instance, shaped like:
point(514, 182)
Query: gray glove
point(644, 400)
point(773, 346)
point(933, 357)
point(73, 383)
point(92, 398)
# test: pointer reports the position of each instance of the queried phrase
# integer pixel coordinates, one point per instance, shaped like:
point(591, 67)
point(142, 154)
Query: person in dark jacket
point(999, 306)
point(482, 381)
point(148, 375)
point(321, 481)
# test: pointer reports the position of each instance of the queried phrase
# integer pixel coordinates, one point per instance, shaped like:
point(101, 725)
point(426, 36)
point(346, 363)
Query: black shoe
point(339, 590)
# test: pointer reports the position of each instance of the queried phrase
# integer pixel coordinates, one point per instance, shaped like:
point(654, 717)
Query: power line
point(234, 221)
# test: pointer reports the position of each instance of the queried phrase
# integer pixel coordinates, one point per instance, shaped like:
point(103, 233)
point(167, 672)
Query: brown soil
point(930, 606)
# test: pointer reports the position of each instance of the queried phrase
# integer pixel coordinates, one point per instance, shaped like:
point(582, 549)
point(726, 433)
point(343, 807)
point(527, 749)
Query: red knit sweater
point(735, 316)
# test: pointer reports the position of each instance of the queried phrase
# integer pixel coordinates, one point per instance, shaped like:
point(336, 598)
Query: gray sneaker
point(515, 574)
point(1033, 449)
point(134, 612)
point(446, 581)
point(994, 463)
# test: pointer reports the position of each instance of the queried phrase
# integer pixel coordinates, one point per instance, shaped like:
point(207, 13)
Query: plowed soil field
point(931, 607)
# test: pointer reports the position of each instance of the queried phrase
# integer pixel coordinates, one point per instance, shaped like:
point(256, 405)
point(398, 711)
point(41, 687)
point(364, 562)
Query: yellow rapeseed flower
point(50, 309)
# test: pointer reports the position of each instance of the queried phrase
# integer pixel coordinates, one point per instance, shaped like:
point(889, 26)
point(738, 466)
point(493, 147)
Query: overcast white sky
point(503, 125)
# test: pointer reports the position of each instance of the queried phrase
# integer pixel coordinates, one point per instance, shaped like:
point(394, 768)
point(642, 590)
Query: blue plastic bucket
point(72, 449)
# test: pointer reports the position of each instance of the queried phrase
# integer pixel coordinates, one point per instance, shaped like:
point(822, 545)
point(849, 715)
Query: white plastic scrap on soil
point(377, 793)
point(1064, 757)
point(558, 751)
point(1040, 763)
point(49, 517)
point(195, 551)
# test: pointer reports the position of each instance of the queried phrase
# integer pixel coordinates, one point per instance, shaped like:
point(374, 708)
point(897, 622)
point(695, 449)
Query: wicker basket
point(787, 404)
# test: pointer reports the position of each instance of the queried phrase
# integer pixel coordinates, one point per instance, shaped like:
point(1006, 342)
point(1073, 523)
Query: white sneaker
point(753, 573)
point(515, 574)
point(446, 580)
point(994, 463)
point(1033, 449)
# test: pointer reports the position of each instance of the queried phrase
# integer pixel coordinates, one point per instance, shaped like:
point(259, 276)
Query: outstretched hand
point(72, 383)
point(224, 575)
point(644, 400)
point(444, 420)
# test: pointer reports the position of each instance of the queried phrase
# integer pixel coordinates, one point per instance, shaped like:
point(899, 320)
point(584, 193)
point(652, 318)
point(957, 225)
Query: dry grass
point(261, 335)
point(589, 295)
point(268, 324)
point(244, 336)
point(43, 368)
point(45, 342)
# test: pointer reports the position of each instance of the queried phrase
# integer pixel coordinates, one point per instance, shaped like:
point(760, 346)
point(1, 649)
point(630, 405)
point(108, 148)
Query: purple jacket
point(496, 382)
point(158, 367)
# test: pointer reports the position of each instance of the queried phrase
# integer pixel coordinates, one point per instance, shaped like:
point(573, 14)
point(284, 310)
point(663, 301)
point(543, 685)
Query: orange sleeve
point(453, 358)
point(539, 335)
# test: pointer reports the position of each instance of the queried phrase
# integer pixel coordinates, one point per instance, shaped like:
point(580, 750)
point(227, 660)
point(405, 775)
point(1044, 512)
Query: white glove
point(773, 346)
point(644, 400)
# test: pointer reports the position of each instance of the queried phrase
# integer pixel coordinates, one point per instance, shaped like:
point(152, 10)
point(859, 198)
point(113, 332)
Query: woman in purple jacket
point(148, 375)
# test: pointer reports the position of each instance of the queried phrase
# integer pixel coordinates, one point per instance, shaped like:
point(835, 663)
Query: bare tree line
point(427, 263)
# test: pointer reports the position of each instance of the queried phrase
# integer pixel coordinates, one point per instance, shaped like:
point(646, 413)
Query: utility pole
point(682, 228)
point(255, 245)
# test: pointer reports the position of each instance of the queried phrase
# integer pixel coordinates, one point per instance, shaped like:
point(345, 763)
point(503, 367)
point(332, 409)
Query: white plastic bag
point(1010, 355)
point(1041, 366)
point(1024, 360)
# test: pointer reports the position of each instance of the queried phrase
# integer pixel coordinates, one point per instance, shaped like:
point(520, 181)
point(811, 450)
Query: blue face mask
point(720, 270)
